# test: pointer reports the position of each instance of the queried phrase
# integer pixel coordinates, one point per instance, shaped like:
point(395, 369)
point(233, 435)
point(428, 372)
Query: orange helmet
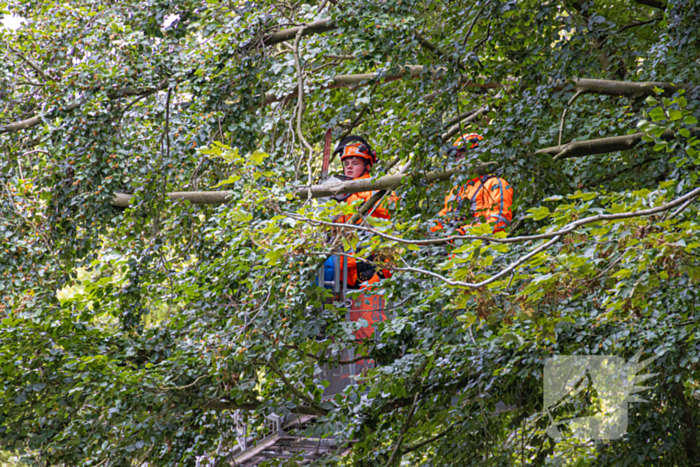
point(356, 146)
point(468, 139)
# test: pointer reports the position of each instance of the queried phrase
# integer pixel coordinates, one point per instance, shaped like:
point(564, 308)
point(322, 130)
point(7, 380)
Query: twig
point(555, 237)
point(33, 65)
point(635, 24)
point(563, 114)
point(359, 116)
point(567, 229)
point(300, 101)
point(429, 440)
point(456, 128)
point(680, 209)
point(482, 41)
point(469, 31)
point(173, 388)
point(491, 279)
point(404, 429)
point(272, 364)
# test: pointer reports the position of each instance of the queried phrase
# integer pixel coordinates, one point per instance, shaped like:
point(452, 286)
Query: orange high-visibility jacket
point(381, 212)
point(487, 196)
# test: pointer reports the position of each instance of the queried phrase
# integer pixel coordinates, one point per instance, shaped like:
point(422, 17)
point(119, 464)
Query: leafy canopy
point(130, 335)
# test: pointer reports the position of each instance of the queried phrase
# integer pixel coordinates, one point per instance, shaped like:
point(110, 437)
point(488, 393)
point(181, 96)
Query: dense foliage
point(131, 335)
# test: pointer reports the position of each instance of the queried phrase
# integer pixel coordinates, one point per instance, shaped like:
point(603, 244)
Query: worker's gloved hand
point(365, 271)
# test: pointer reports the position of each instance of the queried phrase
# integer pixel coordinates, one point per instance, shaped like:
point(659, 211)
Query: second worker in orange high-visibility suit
point(488, 197)
point(357, 157)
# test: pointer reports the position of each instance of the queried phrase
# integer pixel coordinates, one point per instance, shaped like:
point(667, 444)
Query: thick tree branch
point(195, 197)
point(384, 183)
point(122, 200)
point(600, 146)
point(315, 27)
point(582, 85)
point(607, 87)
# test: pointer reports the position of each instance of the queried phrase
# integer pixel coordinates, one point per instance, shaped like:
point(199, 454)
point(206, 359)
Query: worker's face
point(459, 155)
point(353, 167)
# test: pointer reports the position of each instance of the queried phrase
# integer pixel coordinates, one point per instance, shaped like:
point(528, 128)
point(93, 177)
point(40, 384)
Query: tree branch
point(608, 87)
point(600, 146)
point(455, 129)
point(404, 429)
point(556, 236)
point(652, 3)
point(315, 27)
point(567, 229)
point(37, 119)
point(33, 65)
point(386, 182)
point(429, 440)
point(563, 114)
point(374, 199)
point(300, 104)
point(123, 200)
point(272, 364)
point(195, 197)
point(250, 406)
point(426, 44)
point(635, 24)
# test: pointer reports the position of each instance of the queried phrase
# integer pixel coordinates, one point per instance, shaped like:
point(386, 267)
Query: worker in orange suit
point(488, 196)
point(358, 157)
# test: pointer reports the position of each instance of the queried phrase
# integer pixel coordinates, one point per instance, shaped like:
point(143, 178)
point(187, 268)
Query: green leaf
point(657, 114)
point(229, 181)
point(468, 319)
point(512, 337)
point(240, 216)
point(675, 114)
point(258, 157)
point(539, 213)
